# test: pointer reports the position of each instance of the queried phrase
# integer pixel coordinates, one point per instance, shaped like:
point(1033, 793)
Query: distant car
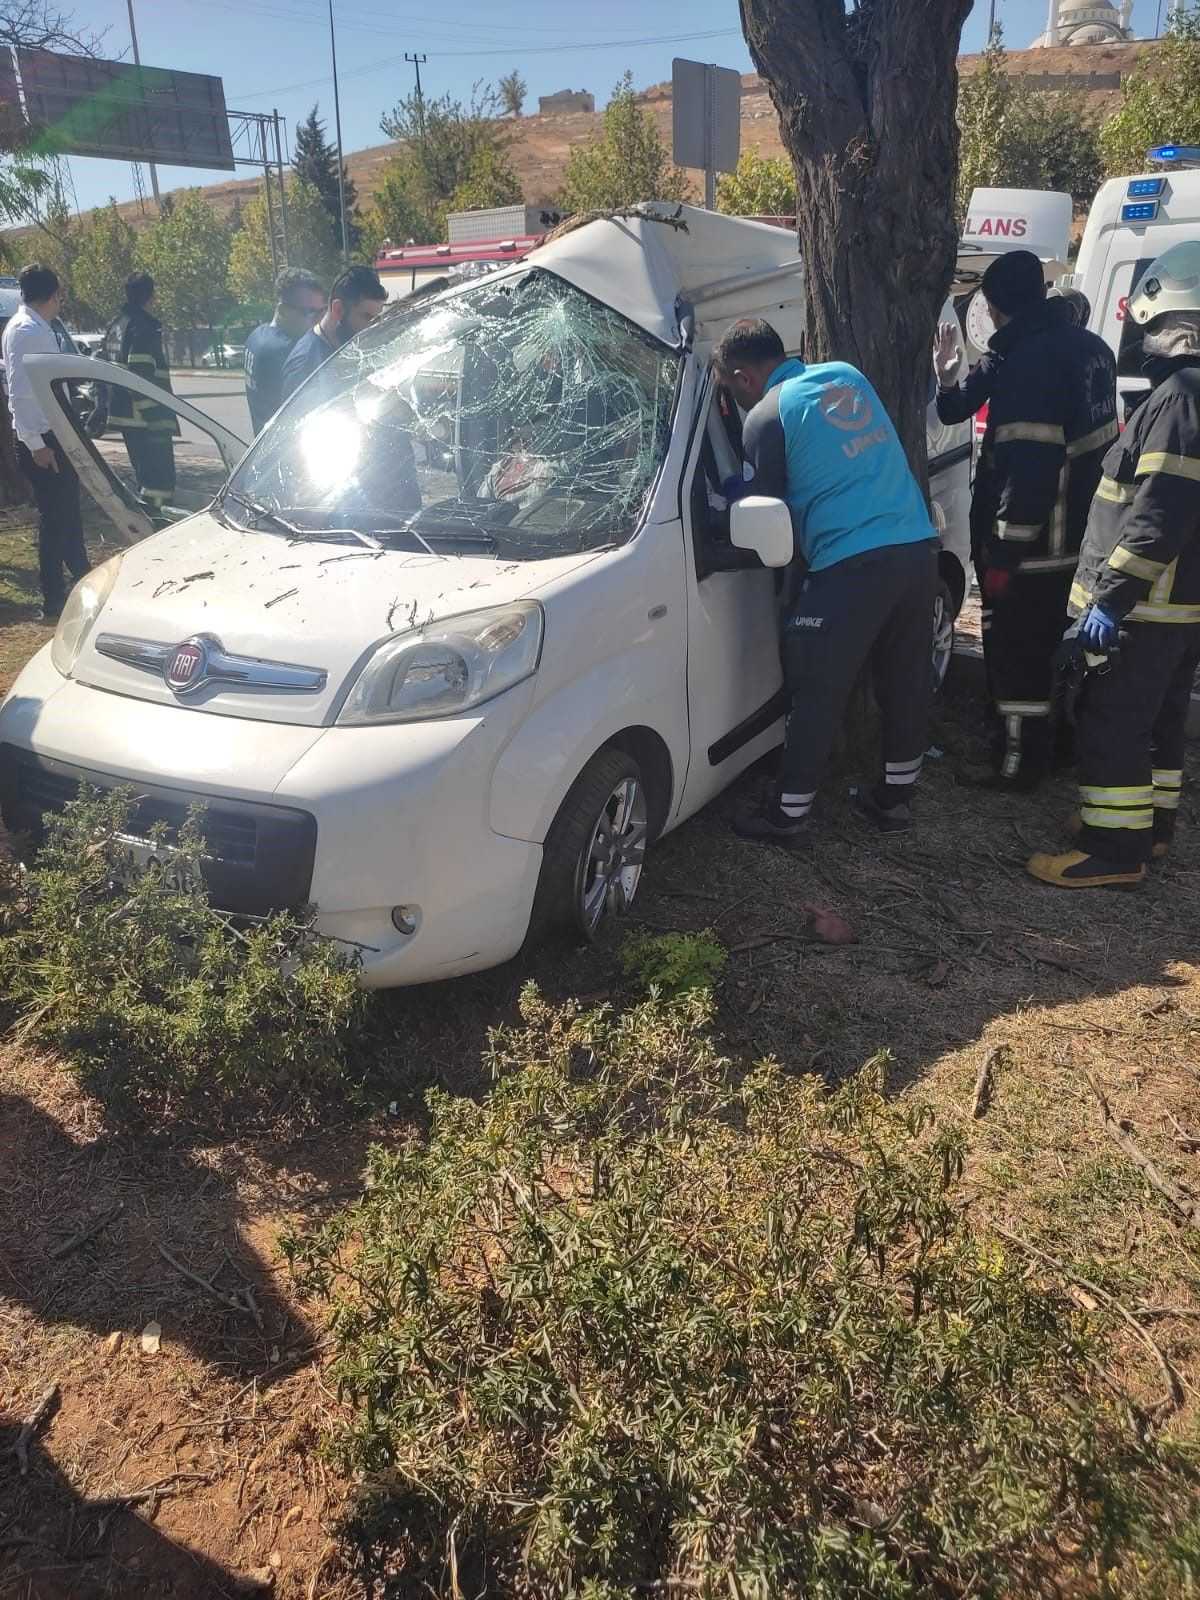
point(225, 355)
point(88, 344)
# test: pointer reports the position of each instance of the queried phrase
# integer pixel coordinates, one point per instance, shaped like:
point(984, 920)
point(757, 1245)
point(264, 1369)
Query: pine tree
point(315, 164)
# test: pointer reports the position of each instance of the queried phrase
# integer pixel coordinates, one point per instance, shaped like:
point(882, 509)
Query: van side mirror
point(763, 525)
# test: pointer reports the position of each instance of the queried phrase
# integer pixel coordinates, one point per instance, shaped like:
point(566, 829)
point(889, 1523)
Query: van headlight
point(84, 605)
point(447, 667)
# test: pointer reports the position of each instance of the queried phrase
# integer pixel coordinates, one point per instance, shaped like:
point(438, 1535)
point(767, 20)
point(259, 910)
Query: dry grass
point(956, 951)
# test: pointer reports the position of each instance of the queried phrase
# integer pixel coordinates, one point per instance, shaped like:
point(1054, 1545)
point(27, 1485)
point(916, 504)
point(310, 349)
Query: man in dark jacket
point(1050, 388)
point(135, 340)
point(1137, 595)
point(299, 301)
point(355, 301)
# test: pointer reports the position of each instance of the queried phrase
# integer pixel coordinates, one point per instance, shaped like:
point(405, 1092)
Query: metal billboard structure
point(77, 106)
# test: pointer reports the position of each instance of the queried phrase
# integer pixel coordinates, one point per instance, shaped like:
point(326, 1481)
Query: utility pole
point(418, 62)
point(337, 124)
point(137, 61)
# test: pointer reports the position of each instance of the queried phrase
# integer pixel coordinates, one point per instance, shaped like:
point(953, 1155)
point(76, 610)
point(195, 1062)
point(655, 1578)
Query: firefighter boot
point(889, 811)
point(1077, 870)
point(1162, 839)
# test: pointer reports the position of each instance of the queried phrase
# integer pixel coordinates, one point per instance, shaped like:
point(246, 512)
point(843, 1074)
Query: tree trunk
point(866, 102)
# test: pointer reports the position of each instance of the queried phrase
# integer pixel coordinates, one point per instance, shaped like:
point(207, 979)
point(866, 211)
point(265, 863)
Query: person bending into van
point(1051, 390)
point(135, 340)
point(299, 301)
point(1138, 589)
point(355, 301)
point(30, 332)
point(818, 437)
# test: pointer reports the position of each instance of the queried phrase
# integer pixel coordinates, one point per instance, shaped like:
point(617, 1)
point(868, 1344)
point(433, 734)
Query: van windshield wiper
point(293, 529)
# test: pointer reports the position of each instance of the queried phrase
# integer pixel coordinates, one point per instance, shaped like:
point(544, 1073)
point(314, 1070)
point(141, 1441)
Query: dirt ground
point(195, 1469)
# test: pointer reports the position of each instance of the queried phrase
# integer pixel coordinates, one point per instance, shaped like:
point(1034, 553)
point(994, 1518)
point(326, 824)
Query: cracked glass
point(517, 416)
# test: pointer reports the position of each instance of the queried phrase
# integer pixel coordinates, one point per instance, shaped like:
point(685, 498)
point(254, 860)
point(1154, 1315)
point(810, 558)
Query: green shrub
point(673, 963)
point(144, 987)
point(632, 1325)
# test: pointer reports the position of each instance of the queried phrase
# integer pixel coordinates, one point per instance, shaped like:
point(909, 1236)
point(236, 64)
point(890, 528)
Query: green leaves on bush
point(144, 987)
point(674, 963)
point(633, 1326)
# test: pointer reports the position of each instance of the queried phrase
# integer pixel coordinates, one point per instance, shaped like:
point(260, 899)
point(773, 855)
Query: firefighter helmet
point(1171, 283)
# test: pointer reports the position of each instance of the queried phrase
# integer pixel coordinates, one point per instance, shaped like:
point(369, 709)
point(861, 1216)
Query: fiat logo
point(186, 666)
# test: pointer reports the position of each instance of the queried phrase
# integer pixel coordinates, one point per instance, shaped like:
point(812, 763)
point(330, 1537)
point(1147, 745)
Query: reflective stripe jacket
point(1141, 554)
point(1052, 413)
point(134, 340)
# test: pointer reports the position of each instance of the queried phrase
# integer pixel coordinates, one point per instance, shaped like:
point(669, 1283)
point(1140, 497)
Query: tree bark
point(866, 102)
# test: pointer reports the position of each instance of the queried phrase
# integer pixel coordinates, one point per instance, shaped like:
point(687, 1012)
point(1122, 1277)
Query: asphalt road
point(219, 396)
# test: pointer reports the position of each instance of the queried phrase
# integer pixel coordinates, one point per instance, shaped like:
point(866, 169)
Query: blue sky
point(275, 53)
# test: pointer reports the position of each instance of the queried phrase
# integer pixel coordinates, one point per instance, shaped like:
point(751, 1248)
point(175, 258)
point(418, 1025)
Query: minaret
point(1052, 23)
point(1126, 17)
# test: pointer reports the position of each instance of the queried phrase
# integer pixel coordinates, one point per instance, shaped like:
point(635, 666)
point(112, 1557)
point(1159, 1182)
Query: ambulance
point(1132, 221)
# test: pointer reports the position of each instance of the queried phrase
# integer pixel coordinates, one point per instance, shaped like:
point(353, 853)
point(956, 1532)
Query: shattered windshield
point(518, 416)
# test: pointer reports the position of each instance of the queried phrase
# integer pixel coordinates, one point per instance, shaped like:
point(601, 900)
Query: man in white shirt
point(43, 461)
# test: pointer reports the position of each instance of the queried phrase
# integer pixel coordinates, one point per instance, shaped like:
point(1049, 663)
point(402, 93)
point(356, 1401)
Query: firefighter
point(1137, 597)
point(1050, 387)
point(134, 340)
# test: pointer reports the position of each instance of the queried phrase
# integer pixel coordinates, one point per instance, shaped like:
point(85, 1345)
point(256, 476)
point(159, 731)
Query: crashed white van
point(445, 651)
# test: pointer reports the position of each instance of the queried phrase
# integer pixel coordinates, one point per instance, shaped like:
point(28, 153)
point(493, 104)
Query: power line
point(442, 55)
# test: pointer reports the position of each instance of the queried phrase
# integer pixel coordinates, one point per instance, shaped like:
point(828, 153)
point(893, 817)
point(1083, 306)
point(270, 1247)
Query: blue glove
point(1098, 630)
point(734, 487)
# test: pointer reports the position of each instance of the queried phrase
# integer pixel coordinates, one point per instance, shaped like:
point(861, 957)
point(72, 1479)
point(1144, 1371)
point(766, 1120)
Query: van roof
point(656, 262)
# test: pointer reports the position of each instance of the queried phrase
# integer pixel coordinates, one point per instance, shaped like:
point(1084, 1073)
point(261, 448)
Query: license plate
point(136, 857)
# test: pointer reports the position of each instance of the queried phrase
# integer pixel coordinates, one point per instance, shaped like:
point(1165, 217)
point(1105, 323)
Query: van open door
point(203, 457)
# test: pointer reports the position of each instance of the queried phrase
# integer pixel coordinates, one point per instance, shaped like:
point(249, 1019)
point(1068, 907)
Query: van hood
point(310, 604)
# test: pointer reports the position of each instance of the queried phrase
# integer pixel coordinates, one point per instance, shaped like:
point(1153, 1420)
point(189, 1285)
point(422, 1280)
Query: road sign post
point(706, 120)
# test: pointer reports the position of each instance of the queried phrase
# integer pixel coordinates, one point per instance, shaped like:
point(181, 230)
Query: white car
point(226, 355)
point(445, 652)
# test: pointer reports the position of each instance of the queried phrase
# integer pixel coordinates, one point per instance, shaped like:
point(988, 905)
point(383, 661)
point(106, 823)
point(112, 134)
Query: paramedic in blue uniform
point(819, 438)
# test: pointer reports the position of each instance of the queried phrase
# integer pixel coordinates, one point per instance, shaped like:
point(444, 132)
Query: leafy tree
point(445, 144)
point(315, 163)
point(490, 181)
point(60, 242)
point(626, 163)
point(186, 251)
point(1017, 138)
point(310, 244)
point(1159, 102)
point(762, 186)
point(513, 89)
point(106, 260)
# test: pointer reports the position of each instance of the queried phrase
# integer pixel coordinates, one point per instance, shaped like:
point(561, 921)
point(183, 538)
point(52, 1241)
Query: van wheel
point(594, 853)
point(943, 632)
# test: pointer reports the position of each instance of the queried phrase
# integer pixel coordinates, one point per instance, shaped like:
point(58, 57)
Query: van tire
point(572, 880)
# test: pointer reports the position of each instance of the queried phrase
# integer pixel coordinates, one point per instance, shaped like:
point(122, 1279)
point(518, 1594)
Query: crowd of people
point(1086, 545)
point(1085, 538)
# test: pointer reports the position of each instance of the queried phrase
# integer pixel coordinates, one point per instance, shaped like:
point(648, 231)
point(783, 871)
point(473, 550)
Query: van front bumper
point(359, 821)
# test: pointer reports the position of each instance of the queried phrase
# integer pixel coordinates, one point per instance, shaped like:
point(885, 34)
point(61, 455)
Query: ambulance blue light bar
point(1145, 188)
point(1188, 154)
point(1140, 211)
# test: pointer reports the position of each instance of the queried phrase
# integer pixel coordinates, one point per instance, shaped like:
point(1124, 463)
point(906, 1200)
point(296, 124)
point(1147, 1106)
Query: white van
point(1132, 221)
point(445, 650)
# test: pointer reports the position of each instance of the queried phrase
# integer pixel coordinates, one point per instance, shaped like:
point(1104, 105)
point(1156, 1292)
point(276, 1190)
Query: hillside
point(542, 143)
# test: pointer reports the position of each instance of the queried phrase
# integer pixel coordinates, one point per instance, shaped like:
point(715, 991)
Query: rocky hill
point(542, 143)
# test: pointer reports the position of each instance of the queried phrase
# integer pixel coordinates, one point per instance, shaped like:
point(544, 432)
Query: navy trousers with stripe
point(1130, 734)
point(877, 606)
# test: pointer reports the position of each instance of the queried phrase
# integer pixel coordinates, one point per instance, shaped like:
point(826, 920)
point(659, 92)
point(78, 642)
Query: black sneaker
point(767, 824)
point(896, 818)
